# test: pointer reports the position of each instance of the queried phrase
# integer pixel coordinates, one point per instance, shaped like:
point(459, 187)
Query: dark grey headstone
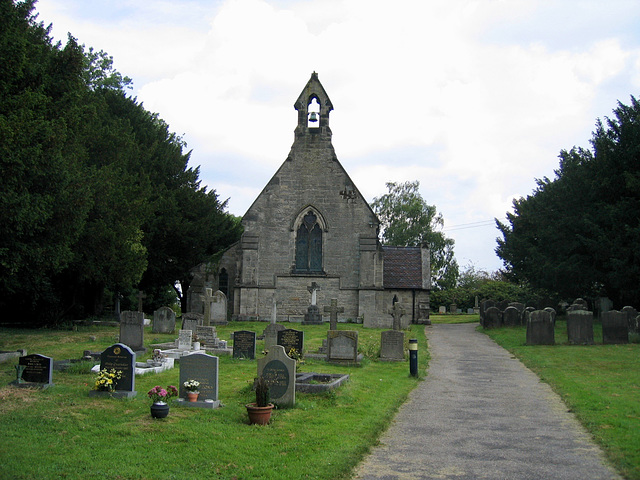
point(580, 327)
point(342, 346)
point(632, 314)
point(615, 327)
point(132, 329)
point(392, 345)
point(511, 317)
point(164, 320)
point(492, 318)
point(525, 314)
point(540, 328)
point(37, 371)
point(483, 308)
point(290, 338)
point(203, 368)
point(244, 344)
point(518, 305)
point(279, 371)
point(120, 358)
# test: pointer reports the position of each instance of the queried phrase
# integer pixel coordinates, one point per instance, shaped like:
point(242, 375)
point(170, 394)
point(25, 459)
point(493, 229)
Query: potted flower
point(159, 396)
point(260, 411)
point(191, 387)
point(107, 380)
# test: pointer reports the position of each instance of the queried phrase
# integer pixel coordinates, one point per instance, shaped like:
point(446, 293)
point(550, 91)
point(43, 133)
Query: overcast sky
point(475, 99)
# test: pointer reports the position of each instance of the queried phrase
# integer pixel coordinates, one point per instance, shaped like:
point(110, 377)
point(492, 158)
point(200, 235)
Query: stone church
point(311, 234)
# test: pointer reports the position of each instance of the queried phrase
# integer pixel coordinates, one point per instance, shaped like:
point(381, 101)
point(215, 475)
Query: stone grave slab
point(492, 318)
point(132, 330)
point(540, 328)
point(290, 338)
point(34, 371)
point(207, 335)
point(244, 344)
point(342, 346)
point(279, 371)
point(511, 317)
point(615, 327)
point(392, 346)
point(120, 358)
point(164, 320)
point(580, 327)
point(203, 368)
point(319, 382)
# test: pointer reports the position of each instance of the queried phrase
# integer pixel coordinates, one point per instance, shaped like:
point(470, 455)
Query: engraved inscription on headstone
point(392, 345)
point(203, 368)
point(120, 358)
point(164, 321)
point(279, 371)
point(244, 344)
point(35, 370)
point(184, 340)
point(290, 338)
point(342, 346)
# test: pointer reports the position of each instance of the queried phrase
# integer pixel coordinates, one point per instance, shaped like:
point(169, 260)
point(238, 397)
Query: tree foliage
point(578, 234)
point(408, 221)
point(97, 193)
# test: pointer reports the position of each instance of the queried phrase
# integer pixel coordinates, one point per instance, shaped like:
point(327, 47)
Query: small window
point(309, 245)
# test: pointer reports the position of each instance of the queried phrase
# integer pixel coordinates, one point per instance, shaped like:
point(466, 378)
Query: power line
point(464, 226)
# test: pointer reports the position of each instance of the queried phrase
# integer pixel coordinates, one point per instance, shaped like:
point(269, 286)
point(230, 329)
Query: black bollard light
point(413, 357)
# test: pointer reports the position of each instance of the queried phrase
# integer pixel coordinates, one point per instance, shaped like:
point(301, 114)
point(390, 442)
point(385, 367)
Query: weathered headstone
point(333, 310)
point(540, 328)
point(396, 312)
point(484, 305)
point(190, 321)
point(603, 304)
point(34, 371)
point(579, 304)
point(552, 312)
point(204, 369)
point(271, 335)
point(132, 330)
point(342, 346)
point(525, 314)
point(632, 314)
point(279, 371)
point(511, 317)
point(453, 308)
point(184, 339)
point(219, 308)
point(120, 358)
point(492, 318)
point(244, 344)
point(392, 345)
point(580, 327)
point(290, 338)
point(164, 320)
point(442, 309)
point(615, 327)
point(207, 335)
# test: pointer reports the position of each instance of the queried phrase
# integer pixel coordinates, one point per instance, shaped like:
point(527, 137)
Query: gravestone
point(603, 304)
point(290, 338)
point(453, 308)
point(132, 330)
point(244, 344)
point(511, 317)
point(279, 372)
point(313, 317)
point(164, 320)
point(632, 314)
point(191, 321)
point(333, 310)
point(518, 305)
point(34, 371)
point(271, 335)
point(579, 304)
point(540, 328)
point(552, 312)
point(203, 368)
point(396, 312)
point(123, 359)
point(207, 335)
point(525, 314)
point(580, 327)
point(184, 339)
point(392, 345)
point(219, 308)
point(484, 305)
point(342, 346)
point(442, 310)
point(492, 318)
point(615, 327)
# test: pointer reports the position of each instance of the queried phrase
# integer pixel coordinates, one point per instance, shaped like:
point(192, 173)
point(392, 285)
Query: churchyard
point(63, 432)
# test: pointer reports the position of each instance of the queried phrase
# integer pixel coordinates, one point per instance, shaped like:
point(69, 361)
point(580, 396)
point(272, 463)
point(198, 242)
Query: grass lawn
point(61, 432)
point(599, 383)
point(447, 318)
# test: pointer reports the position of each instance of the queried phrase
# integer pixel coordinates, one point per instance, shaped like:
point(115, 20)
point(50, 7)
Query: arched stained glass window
point(309, 245)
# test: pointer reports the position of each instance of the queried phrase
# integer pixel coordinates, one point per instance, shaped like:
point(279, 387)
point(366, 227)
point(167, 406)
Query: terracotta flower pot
point(192, 396)
point(259, 415)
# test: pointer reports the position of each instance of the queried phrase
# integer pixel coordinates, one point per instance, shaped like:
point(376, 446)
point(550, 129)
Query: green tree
point(408, 221)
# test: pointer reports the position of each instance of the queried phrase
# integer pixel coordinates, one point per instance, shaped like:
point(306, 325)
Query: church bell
point(313, 117)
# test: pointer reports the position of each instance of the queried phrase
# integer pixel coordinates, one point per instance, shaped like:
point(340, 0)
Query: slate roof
point(402, 268)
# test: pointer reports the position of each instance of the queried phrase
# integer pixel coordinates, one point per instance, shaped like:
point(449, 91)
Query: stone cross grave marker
point(164, 320)
point(203, 368)
point(313, 317)
point(333, 312)
point(313, 290)
point(615, 327)
point(290, 338)
point(184, 340)
point(540, 328)
point(121, 358)
point(580, 327)
point(342, 346)
point(396, 312)
point(207, 299)
point(279, 372)
point(392, 345)
point(141, 297)
point(244, 344)
point(132, 330)
point(34, 371)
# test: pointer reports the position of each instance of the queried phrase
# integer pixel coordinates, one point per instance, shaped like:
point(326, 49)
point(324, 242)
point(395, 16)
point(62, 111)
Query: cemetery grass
point(599, 383)
point(61, 432)
point(448, 318)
